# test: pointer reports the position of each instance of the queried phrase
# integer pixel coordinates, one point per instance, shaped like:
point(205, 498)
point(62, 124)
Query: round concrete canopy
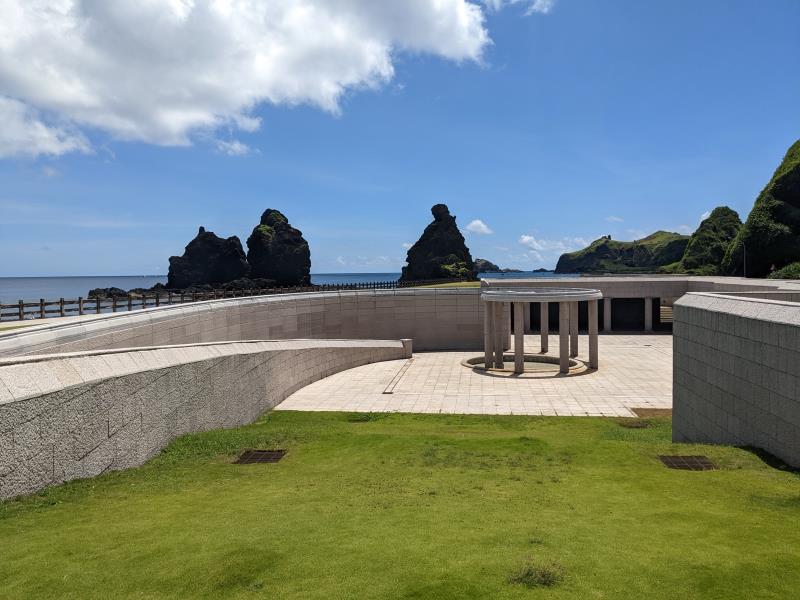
point(541, 295)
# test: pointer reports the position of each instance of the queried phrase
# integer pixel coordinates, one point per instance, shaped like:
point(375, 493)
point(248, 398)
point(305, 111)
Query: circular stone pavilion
point(495, 324)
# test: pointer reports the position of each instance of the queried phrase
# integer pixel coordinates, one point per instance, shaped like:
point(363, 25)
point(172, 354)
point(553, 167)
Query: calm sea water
point(31, 289)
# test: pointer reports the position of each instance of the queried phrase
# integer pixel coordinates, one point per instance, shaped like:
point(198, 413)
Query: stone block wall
point(436, 319)
point(72, 416)
point(737, 373)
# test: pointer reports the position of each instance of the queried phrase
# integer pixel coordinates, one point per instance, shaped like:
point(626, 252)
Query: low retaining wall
point(737, 372)
point(436, 319)
point(71, 416)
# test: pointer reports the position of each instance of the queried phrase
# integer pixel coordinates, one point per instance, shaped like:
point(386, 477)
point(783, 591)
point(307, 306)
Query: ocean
point(31, 289)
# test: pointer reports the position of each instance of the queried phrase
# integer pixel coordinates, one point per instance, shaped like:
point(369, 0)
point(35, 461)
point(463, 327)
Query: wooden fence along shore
point(83, 306)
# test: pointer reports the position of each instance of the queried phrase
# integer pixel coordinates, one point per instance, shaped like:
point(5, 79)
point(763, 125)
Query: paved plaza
point(635, 372)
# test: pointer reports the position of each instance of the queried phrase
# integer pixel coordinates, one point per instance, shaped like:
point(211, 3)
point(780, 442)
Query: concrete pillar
point(563, 336)
point(528, 319)
point(488, 334)
point(499, 332)
point(519, 336)
point(544, 325)
point(593, 334)
point(573, 329)
point(606, 314)
point(648, 314)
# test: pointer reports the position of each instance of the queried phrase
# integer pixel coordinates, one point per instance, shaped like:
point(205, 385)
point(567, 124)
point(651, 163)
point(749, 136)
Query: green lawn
point(412, 506)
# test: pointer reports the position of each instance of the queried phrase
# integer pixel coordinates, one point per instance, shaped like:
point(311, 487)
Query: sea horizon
point(33, 288)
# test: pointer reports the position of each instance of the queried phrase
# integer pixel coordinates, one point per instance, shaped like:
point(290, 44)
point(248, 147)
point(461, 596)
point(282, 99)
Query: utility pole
point(744, 247)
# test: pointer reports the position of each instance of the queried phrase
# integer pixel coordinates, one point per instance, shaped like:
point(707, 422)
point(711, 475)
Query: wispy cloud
point(233, 148)
point(613, 219)
point(636, 234)
point(705, 215)
point(479, 227)
point(541, 7)
point(565, 244)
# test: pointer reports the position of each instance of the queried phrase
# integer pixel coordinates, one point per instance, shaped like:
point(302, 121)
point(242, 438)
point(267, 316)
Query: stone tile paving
point(635, 372)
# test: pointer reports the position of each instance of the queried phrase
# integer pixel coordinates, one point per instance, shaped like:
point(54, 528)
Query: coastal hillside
point(707, 246)
point(770, 238)
point(611, 256)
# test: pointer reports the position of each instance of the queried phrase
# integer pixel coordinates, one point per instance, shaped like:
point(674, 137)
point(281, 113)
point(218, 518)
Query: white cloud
point(479, 227)
point(636, 234)
point(163, 72)
point(613, 219)
point(50, 172)
point(233, 148)
point(534, 6)
point(24, 133)
point(566, 244)
point(686, 229)
point(406, 245)
point(705, 215)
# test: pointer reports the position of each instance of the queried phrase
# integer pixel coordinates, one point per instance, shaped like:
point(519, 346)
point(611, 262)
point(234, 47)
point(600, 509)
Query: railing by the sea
point(62, 307)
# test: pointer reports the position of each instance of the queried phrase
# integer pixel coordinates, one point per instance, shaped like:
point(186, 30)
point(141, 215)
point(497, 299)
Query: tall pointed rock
point(278, 251)
point(440, 253)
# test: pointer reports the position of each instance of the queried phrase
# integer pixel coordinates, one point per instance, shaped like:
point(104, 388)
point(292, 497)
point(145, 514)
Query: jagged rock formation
point(708, 245)
point(610, 256)
point(208, 259)
point(770, 238)
point(484, 266)
point(440, 253)
point(278, 251)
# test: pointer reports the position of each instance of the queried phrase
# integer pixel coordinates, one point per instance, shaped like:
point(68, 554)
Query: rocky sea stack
point(770, 237)
point(208, 259)
point(485, 266)
point(278, 251)
point(440, 253)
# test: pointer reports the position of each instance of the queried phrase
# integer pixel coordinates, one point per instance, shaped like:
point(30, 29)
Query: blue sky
point(578, 119)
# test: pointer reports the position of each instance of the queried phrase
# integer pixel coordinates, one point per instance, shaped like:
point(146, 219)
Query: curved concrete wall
point(436, 319)
point(77, 415)
point(736, 376)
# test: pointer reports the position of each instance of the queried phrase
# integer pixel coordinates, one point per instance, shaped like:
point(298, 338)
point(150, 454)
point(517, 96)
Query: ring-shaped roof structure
point(541, 295)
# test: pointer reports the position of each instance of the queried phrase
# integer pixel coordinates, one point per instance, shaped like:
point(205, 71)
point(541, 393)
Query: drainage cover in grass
point(250, 457)
point(688, 463)
point(634, 423)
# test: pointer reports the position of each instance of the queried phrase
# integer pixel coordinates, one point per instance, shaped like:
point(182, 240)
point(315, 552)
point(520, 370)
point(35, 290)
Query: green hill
point(611, 256)
point(771, 235)
point(707, 246)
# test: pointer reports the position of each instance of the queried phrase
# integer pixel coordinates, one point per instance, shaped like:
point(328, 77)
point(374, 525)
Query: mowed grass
point(413, 506)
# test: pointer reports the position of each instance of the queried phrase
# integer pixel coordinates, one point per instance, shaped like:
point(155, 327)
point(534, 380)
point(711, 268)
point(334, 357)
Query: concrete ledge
point(77, 415)
point(736, 376)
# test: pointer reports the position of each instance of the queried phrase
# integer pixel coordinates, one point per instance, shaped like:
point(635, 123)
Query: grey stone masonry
point(77, 415)
point(736, 376)
point(436, 319)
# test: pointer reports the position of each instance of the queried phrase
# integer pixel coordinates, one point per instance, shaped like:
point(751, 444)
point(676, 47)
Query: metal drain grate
point(250, 457)
point(634, 423)
point(688, 463)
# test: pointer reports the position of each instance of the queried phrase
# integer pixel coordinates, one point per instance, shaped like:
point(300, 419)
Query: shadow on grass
point(770, 459)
